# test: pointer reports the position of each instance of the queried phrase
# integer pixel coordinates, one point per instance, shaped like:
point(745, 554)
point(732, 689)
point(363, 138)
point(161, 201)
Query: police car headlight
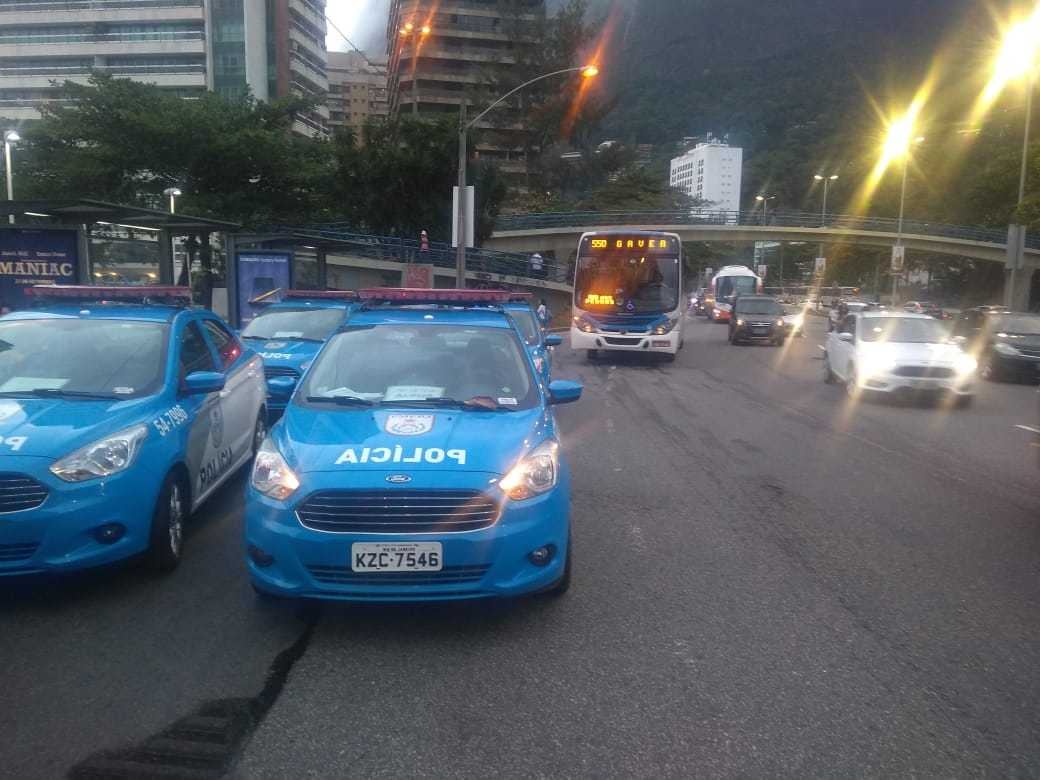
point(536, 473)
point(665, 327)
point(103, 458)
point(272, 475)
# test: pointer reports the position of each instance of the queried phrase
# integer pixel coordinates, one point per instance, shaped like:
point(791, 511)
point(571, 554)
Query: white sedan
point(895, 352)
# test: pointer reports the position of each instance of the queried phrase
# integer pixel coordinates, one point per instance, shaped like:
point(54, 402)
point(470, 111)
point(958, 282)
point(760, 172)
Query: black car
point(1006, 344)
point(757, 318)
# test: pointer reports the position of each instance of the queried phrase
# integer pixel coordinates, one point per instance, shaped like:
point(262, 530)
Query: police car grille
point(272, 371)
point(928, 372)
point(398, 511)
point(18, 492)
point(17, 552)
point(449, 575)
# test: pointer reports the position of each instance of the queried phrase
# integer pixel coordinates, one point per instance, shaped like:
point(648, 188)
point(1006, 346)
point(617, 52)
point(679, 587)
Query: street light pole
point(172, 193)
point(588, 71)
point(10, 137)
point(1019, 234)
point(899, 229)
point(823, 212)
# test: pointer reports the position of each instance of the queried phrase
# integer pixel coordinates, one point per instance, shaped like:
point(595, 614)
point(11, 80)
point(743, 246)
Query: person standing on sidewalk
point(543, 314)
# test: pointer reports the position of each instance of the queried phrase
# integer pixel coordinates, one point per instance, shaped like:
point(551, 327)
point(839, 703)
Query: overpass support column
point(1017, 288)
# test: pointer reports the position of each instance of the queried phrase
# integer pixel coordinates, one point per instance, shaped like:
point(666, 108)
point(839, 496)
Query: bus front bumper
point(630, 342)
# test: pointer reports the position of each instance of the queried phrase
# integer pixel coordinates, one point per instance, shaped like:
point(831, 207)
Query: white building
point(711, 172)
point(357, 89)
point(272, 48)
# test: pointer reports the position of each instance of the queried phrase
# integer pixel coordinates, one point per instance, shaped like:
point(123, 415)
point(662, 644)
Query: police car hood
point(382, 440)
point(53, 427)
point(284, 352)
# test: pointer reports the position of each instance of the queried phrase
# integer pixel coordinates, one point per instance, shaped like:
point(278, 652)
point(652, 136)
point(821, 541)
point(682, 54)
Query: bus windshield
point(728, 287)
point(627, 282)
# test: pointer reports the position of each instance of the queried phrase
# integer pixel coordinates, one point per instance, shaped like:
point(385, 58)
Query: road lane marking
point(1029, 429)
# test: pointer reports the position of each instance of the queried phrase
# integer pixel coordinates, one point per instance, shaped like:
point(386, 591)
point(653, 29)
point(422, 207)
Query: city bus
point(726, 285)
point(628, 293)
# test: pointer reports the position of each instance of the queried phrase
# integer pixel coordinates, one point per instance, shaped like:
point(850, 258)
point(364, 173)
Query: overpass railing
point(439, 254)
point(791, 219)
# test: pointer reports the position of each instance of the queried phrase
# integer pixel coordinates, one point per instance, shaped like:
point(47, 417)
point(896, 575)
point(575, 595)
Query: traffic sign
point(898, 258)
point(821, 265)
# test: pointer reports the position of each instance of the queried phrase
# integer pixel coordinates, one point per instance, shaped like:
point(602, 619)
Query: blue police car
point(287, 334)
point(121, 410)
point(419, 459)
point(539, 343)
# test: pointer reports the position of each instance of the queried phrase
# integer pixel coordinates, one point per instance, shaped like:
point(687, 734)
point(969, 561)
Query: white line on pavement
point(1028, 428)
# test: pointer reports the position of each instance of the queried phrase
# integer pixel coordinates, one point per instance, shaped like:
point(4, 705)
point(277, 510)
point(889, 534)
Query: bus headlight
point(536, 473)
point(584, 325)
point(665, 327)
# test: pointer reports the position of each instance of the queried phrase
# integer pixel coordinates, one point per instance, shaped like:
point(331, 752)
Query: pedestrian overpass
point(557, 234)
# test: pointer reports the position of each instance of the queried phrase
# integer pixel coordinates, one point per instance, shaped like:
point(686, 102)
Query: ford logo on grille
point(398, 479)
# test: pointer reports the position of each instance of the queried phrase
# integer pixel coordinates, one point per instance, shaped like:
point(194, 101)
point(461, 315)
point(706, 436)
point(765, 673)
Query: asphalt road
point(770, 580)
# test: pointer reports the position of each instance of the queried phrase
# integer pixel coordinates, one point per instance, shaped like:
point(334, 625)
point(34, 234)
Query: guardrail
point(439, 254)
point(789, 219)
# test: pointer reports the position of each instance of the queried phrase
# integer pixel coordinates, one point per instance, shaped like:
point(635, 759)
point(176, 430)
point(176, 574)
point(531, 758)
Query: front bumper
point(58, 535)
point(630, 342)
point(768, 333)
point(889, 382)
point(719, 315)
point(487, 563)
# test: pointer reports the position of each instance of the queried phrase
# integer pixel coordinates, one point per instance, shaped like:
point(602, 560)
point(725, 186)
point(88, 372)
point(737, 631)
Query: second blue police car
point(288, 333)
point(419, 459)
point(121, 410)
point(538, 342)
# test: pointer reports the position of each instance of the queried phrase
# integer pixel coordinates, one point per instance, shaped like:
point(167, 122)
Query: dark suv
point(1006, 344)
point(757, 318)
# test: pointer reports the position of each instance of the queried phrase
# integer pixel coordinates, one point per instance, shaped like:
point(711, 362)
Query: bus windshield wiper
point(340, 400)
point(53, 392)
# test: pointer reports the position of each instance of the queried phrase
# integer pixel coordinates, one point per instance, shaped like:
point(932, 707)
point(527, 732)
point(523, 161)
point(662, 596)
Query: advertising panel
point(29, 257)
point(259, 273)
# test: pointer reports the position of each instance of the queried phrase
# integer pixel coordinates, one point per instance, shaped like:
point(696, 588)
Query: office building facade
point(357, 89)
point(711, 172)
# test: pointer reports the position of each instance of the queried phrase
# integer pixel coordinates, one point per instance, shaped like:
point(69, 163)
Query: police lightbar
point(148, 294)
point(445, 297)
point(323, 295)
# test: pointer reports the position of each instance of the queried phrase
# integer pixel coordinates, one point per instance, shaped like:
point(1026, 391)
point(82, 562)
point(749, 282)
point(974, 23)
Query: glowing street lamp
point(409, 30)
point(172, 193)
point(826, 183)
point(899, 145)
point(589, 71)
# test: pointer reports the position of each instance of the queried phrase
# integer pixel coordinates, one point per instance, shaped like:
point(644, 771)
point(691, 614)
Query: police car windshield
point(71, 358)
point(528, 324)
point(905, 330)
point(303, 324)
point(402, 364)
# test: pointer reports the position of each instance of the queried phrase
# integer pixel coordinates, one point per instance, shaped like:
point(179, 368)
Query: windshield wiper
point(52, 392)
point(285, 338)
point(479, 403)
point(340, 400)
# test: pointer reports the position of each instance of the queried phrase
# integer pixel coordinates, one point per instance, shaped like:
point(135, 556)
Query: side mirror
point(563, 391)
point(281, 385)
point(202, 383)
point(848, 338)
point(553, 340)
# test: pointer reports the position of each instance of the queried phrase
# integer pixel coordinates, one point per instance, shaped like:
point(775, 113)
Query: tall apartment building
point(357, 89)
point(711, 171)
point(272, 47)
point(443, 53)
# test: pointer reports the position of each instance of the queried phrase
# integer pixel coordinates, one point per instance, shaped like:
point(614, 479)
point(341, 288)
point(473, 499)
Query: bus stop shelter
point(91, 241)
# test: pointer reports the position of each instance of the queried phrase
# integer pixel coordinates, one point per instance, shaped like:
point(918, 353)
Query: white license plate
point(396, 556)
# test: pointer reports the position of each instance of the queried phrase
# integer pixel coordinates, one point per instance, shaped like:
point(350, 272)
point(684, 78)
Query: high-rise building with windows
point(269, 47)
point(443, 52)
point(711, 172)
point(357, 89)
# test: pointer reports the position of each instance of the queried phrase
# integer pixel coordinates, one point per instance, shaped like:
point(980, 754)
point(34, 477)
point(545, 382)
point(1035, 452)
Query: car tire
point(592, 355)
point(828, 375)
point(166, 540)
point(563, 584)
point(259, 430)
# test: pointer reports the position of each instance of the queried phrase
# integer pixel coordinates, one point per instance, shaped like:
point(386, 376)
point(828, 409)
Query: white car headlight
point(965, 364)
point(1005, 349)
point(537, 472)
point(878, 363)
point(271, 474)
point(103, 458)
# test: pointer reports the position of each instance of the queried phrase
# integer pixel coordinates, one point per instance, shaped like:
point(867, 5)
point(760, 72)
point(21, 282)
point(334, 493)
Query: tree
point(124, 141)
